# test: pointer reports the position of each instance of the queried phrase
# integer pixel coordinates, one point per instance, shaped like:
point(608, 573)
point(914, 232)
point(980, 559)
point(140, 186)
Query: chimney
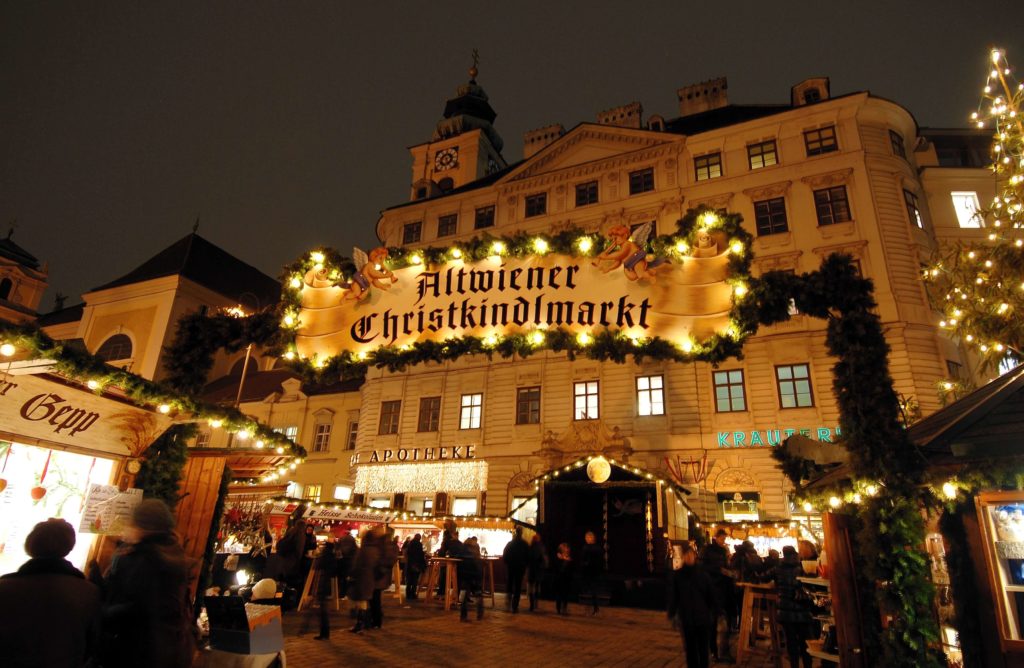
point(535, 140)
point(703, 96)
point(626, 116)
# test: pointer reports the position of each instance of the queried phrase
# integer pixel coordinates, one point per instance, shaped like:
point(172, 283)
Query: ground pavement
point(420, 634)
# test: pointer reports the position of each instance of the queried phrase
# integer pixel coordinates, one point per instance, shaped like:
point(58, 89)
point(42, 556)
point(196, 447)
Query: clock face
point(446, 159)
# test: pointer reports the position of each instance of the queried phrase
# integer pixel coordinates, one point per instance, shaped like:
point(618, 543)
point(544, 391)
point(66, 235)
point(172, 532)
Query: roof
point(713, 119)
point(62, 316)
point(13, 251)
point(261, 384)
point(198, 260)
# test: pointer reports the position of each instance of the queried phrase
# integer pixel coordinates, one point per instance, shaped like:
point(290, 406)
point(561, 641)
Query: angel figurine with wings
point(370, 270)
point(629, 252)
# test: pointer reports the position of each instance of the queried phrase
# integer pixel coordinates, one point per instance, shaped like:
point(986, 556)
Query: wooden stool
point(396, 578)
point(451, 580)
point(759, 603)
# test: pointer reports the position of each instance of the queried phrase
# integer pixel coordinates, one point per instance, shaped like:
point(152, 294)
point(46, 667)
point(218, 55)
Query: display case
point(1001, 518)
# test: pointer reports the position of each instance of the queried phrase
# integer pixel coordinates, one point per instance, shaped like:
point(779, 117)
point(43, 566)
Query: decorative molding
point(845, 229)
point(780, 189)
point(829, 179)
point(721, 201)
point(852, 248)
point(778, 261)
point(735, 480)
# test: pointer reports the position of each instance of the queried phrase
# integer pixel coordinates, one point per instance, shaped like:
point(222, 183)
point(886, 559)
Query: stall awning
point(426, 478)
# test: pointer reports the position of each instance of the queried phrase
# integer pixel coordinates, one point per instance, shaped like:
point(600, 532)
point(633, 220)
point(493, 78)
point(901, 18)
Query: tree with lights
point(979, 286)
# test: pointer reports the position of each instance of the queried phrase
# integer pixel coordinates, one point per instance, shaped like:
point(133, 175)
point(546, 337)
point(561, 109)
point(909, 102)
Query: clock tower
point(465, 146)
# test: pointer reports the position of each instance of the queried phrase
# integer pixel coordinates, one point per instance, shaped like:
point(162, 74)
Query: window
point(343, 493)
point(389, 412)
point(794, 383)
point(812, 95)
point(954, 369)
point(641, 181)
point(585, 400)
point(831, 205)
point(464, 505)
point(380, 502)
point(650, 395)
point(312, 493)
point(484, 217)
point(353, 431)
point(203, 439)
point(290, 433)
point(7, 284)
point(536, 205)
point(430, 414)
point(966, 205)
point(412, 232)
point(524, 509)
point(913, 210)
point(586, 193)
point(729, 393)
point(708, 166)
point(762, 154)
point(528, 405)
point(446, 225)
point(322, 438)
point(822, 140)
point(770, 216)
point(472, 407)
point(896, 140)
point(117, 347)
point(1008, 363)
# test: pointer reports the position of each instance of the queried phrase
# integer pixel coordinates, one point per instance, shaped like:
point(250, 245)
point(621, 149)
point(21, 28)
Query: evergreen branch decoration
point(163, 463)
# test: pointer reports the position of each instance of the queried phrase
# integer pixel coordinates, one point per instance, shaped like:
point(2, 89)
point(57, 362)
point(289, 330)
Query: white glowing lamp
point(540, 245)
point(456, 253)
point(242, 577)
point(164, 408)
point(92, 385)
point(536, 338)
point(7, 350)
point(498, 248)
point(585, 244)
point(296, 282)
point(317, 257)
point(584, 339)
point(949, 490)
point(416, 259)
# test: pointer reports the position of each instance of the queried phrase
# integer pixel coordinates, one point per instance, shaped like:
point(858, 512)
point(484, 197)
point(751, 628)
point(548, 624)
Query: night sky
point(284, 125)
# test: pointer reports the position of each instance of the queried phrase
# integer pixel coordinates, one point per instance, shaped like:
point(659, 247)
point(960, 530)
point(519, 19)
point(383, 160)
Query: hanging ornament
point(7, 455)
point(599, 470)
point(38, 492)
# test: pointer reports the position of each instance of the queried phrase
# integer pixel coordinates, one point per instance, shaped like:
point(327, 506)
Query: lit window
point(586, 193)
point(896, 141)
point(430, 414)
point(472, 407)
point(585, 400)
point(524, 509)
point(380, 502)
point(536, 205)
point(762, 154)
point(291, 433)
point(322, 438)
point(312, 493)
point(1008, 363)
point(464, 506)
point(729, 393)
point(770, 216)
point(650, 395)
point(831, 205)
point(353, 431)
point(708, 166)
point(794, 382)
point(117, 347)
point(446, 225)
point(412, 232)
point(343, 493)
point(484, 217)
point(641, 181)
point(528, 405)
point(967, 208)
point(913, 210)
point(822, 140)
point(203, 439)
point(293, 490)
point(389, 412)
point(955, 369)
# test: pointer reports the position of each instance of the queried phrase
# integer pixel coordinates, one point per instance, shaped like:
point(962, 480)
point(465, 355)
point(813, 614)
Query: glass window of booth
point(1001, 517)
point(464, 505)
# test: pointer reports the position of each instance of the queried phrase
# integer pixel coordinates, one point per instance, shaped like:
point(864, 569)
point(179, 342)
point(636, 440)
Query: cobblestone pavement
point(419, 634)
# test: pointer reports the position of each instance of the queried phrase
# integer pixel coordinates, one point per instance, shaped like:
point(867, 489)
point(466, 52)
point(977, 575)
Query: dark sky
point(284, 125)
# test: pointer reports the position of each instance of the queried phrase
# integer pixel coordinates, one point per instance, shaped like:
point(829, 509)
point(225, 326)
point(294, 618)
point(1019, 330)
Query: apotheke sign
point(441, 453)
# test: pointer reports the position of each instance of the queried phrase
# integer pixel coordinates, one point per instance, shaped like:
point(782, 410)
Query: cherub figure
point(370, 270)
point(628, 251)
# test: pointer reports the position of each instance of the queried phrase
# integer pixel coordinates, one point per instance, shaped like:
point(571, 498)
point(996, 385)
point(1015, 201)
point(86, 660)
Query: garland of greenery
point(163, 463)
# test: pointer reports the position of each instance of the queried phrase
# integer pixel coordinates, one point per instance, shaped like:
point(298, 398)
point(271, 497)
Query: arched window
point(117, 347)
point(6, 286)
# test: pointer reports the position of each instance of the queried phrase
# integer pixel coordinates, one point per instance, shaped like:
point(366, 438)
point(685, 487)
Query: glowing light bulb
point(808, 507)
point(416, 259)
point(949, 490)
point(540, 245)
point(835, 502)
point(584, 339)
point(164, 408)
point(709, 219)
point(536, 338)
point(92, 385)
point(296, 282)
point(317, 257)
point(216, 424)
point(7, 350)
point(739, 290)
point(490, 341)
point(498, 248)
point(947, 386)
point(259, 444)
point(585, 244)
point(289, 355)
point(686, 345)
point(456, 253)
point(244, 434)
point(682, 247)
point(289, 320)
point(736, 247)
point(280, 450)
point(871, 490)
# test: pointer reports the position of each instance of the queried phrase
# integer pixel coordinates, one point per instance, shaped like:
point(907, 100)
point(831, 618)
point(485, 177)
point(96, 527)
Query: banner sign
point(770, 438)
point(640, 296)
point(328, 514)
point(439, 453)
point(108, 510)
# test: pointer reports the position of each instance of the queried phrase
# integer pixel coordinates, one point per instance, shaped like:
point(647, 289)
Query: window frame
point(486, 214)
point(525, 406)
point(707, 163)
point(535, 205)
point(586, 395)
point(976, 217)
point(118, 347)
point(792, 382)
point(471, 414)
point(762, 154)
point(412, 233)
point(641, 181)
point(452, 218)
point(897, 144)
point(766, 223)
point(729, 384)
point(590, 191)
point(819, 141)
point(650, 391)
point(393, 417)
point(312, 487)
point(830, 203)
point(322, 436)
point(433, 418)
point(913, 204)
point(352, 434)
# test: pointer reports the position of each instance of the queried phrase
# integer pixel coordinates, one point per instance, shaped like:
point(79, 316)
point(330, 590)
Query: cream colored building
point(22, 281)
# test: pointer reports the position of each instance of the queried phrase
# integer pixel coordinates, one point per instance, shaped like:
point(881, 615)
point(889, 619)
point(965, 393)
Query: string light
point(7, 350)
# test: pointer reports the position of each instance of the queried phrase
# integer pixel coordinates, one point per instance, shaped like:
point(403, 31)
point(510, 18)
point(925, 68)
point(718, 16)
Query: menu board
point(107, 509)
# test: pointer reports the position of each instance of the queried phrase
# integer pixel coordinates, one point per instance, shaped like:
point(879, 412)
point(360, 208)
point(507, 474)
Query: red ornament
point(3, 485)
point(38, 492)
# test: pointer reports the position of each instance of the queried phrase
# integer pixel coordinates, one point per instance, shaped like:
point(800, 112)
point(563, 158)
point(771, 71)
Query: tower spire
point(474, 70)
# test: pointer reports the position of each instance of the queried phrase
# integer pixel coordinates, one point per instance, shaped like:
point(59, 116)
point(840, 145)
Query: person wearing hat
point(49, 613)
point(792, 611)
point(146, 612)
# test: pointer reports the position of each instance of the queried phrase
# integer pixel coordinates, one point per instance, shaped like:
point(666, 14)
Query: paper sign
point(108, 509)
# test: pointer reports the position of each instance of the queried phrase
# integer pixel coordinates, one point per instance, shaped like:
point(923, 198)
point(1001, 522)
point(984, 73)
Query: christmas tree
point(978, 286)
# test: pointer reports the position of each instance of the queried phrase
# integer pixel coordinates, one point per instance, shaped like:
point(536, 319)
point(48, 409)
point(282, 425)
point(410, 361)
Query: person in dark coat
point(516, 557)
point(415, 564)
point(692, 606)
point(383, 576)
point(362, 578)
point(537, 563)
point(345, 550)
point(592, 563)
point(747, 563)
point(792, 612)
point(291, 549)
point(563, 578)
point(469, 570)
point(327, 565)
point(715, 561)
point(49, 613)
point(147, 618)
